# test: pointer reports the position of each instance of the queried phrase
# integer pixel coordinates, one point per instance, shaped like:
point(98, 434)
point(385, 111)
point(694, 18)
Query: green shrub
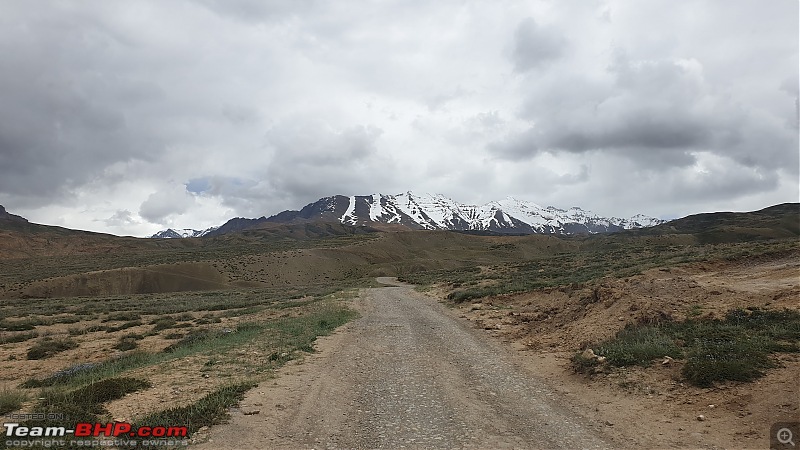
point(67, 319)
point(110, 389)
point(209, 410)
point(737, 348)
point(18, 337)
point(11, 400)
point(60, 376)
point(582, 364)
point(722, 358)
point(639, 346)
point(124, 326)
point(212, 338)
point(76, 331)
point(163, 323)
point(134, 336)
point(86, 403)
point(124, 315)
point(125, 344)
point(173, 336)
point(48, 347)
point(19, 325)
point(193, 338)
point(466, 295)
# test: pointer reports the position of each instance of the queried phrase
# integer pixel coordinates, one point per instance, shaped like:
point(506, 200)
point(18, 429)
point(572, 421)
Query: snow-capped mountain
point(437, 212)
point(171, 233)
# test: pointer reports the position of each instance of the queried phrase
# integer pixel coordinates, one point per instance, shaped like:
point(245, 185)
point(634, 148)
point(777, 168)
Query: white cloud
point(163, 206)
point(112, 109)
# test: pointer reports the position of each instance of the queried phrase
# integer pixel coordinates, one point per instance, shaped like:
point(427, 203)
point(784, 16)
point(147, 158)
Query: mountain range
point(171, 233)
point(435, 212)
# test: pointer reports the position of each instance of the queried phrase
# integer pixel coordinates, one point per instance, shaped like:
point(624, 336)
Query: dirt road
point(404, 375)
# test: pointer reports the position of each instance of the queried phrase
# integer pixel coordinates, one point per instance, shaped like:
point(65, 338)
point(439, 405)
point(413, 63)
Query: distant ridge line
point(508, 216)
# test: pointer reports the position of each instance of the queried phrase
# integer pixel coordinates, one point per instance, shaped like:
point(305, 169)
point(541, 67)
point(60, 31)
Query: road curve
point(405, 375)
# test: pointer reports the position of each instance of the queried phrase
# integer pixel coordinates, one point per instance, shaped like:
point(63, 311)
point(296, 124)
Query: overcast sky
point(132, 116)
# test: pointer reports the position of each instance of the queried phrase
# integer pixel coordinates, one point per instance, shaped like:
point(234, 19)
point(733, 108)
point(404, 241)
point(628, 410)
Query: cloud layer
point(128, 117)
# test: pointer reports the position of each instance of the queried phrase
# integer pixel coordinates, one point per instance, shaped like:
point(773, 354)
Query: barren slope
point(551, 324)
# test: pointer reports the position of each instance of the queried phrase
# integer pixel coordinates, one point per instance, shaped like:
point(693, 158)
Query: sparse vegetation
point(241, 331)
point(163, 323)
point(8, 338)
point(19, 325)
point(583, 364)
point(126, 343)
point(11, 400)
point(85, 404)
point(639, 345)
point(108, 389)
point(209, 410)
point(124, 326)
point(284, 335)
point(48, 347)
point(586, 260)
point(737, 348)
point(210, 339)
point(123, 316)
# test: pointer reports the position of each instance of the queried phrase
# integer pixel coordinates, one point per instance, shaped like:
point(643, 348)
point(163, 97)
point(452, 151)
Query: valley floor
point(407, 374)
point(496, 374)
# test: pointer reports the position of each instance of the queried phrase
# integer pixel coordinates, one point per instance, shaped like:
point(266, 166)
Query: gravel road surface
point(407, 374)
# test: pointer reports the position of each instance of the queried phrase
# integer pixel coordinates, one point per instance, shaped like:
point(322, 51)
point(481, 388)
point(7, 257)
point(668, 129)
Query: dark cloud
point(308, 160)
point(313, 159)
point(535, 46)
point(315, 143)
point(255, 11)
point(657, 112)
point(248, 197)
point(66, 110)
point(721, 185)
point(516, 146)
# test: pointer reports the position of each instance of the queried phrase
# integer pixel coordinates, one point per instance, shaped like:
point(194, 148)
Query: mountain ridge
point(437, 212)
point(5, 215)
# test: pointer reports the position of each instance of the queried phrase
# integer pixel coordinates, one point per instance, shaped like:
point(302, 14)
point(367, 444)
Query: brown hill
point(44, 261)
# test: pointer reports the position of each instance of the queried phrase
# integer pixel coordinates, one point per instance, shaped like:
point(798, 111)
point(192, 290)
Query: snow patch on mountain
point(349, 216)
point(172, 233)
point(439, 212)
point(375, 209)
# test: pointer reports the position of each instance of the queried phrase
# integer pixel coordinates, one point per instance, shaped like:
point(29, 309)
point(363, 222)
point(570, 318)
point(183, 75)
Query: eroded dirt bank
point(654, 406)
